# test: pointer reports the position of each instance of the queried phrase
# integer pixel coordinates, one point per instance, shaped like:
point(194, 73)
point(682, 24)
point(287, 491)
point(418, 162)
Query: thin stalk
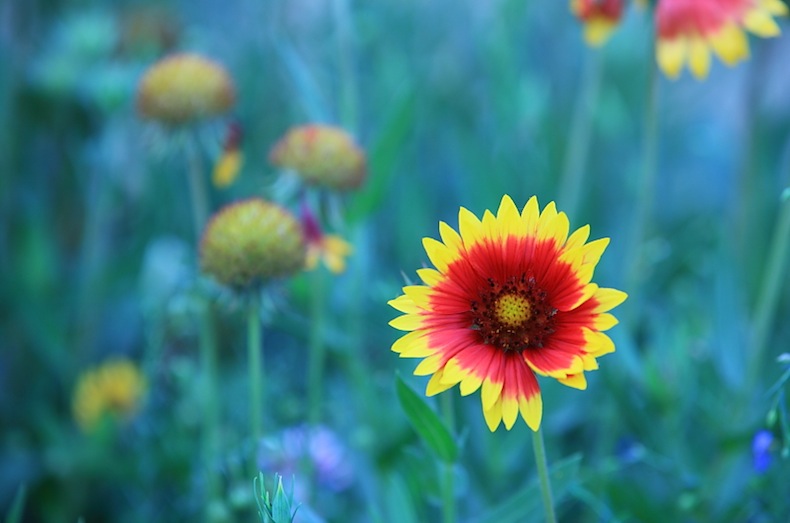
point(315, 371)
point(197, 187)
point(255, 364)
point(770, 290)
point(208, 356)
point(646, 189)
point(448, 474)
point(578, 146)
point(207, 338)
point(543, 475)
point(343, 36)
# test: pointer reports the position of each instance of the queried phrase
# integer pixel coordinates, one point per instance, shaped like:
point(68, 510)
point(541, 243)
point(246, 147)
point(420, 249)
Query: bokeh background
point(455, 103)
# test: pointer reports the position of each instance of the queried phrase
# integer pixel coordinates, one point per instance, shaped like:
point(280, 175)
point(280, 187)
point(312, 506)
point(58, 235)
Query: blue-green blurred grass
point(456, 104)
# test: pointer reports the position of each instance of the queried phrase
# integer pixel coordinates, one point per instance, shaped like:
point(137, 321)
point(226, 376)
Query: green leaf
point(526, 505)
point(427, 423)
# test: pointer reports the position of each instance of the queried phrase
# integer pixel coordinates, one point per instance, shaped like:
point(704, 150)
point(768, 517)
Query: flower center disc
point(512, 310)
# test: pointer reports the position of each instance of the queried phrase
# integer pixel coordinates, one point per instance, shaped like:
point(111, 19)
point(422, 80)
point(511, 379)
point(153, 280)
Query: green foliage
point(276, 507)
point(427, 423)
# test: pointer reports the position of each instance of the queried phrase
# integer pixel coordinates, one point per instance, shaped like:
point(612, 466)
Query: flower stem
point(770, 289)
point(646, 189)
point(315, 372)
point(208, 355)
point(197, 188)
point(255, 364)
point(579, 140)
point(543, 475)
point(448, 474)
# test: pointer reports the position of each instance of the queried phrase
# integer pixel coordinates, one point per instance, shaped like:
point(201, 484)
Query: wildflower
point(329, 248)
point(182, 88)
point(510, 298)
point(229, 164)
point(113, 389)
point(250, 241)
point(322, 155)
point(688, 30)
point(600, 18)
point(761, 450)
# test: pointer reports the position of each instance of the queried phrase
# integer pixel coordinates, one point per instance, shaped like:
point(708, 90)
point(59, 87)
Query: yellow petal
point(597, 343)
point(577, 381)
point(439, 254)
point(699, 57)
point(429, 276)
point(530, 215)
point(531, 410)
point(407, 322)
point(450, 237)
point(470, 384)
point(493, 415)
point(730, 44)
point(605, 321)
point(608, 299)
point(509, 411)
point(470, 227)
point(227, 168)
point(405, 304)
point(413, 340)
point(490, 393)
point(760, 23)
point(436, 385)
point(578, 238)
point(420, 295)
point(453, 373)
point(671, 55)
point(429, 365)
point(598, 30)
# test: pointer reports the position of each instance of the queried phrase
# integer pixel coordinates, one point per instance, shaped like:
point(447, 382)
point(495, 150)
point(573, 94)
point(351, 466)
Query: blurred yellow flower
point(600, 18)
point(115, 388)
point(250, 241)
point(182, 88)
point(322, 155)
point(688, 30)
point(329, 248)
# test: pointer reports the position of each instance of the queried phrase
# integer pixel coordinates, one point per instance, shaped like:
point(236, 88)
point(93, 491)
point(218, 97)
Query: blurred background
point(455, 104)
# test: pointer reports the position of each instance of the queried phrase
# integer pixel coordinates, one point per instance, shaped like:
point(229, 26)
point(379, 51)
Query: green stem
point(770, 289)
point(579, 140)
point(543, 475)
point(448, 474)
point(197, 187)
point(646, 189)
point(315, 372)
point(255, 363)
point(208, 355)
point(348, 104)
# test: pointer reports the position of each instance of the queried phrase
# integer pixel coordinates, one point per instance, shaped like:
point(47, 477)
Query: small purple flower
point(761, 450)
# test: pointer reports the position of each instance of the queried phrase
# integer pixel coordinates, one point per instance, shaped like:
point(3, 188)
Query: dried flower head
point(114, 389)
point(251, 241)
point(182, 88)
point(322, 155)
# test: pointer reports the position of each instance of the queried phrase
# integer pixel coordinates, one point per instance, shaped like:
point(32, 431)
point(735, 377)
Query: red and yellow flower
point(600, 18)
point(688, 30)
point(331, 249)
point(510, 298)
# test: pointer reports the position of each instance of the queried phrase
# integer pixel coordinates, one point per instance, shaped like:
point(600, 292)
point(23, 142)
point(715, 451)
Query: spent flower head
point(321, 155)
point(510, 297)
point(252, 241)
point(183, 88)
point(114, 389)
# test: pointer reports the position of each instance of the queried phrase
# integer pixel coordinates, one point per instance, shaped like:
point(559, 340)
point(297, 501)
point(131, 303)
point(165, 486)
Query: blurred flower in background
point(183, 88)
point(688, 30)
point(250, 241)
point(321, 155)
point(600, 18)
point(113, 389)
point(510, 297)
point(228, 166)
point(762, 444)
point(331, 249)
point(328, 457)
